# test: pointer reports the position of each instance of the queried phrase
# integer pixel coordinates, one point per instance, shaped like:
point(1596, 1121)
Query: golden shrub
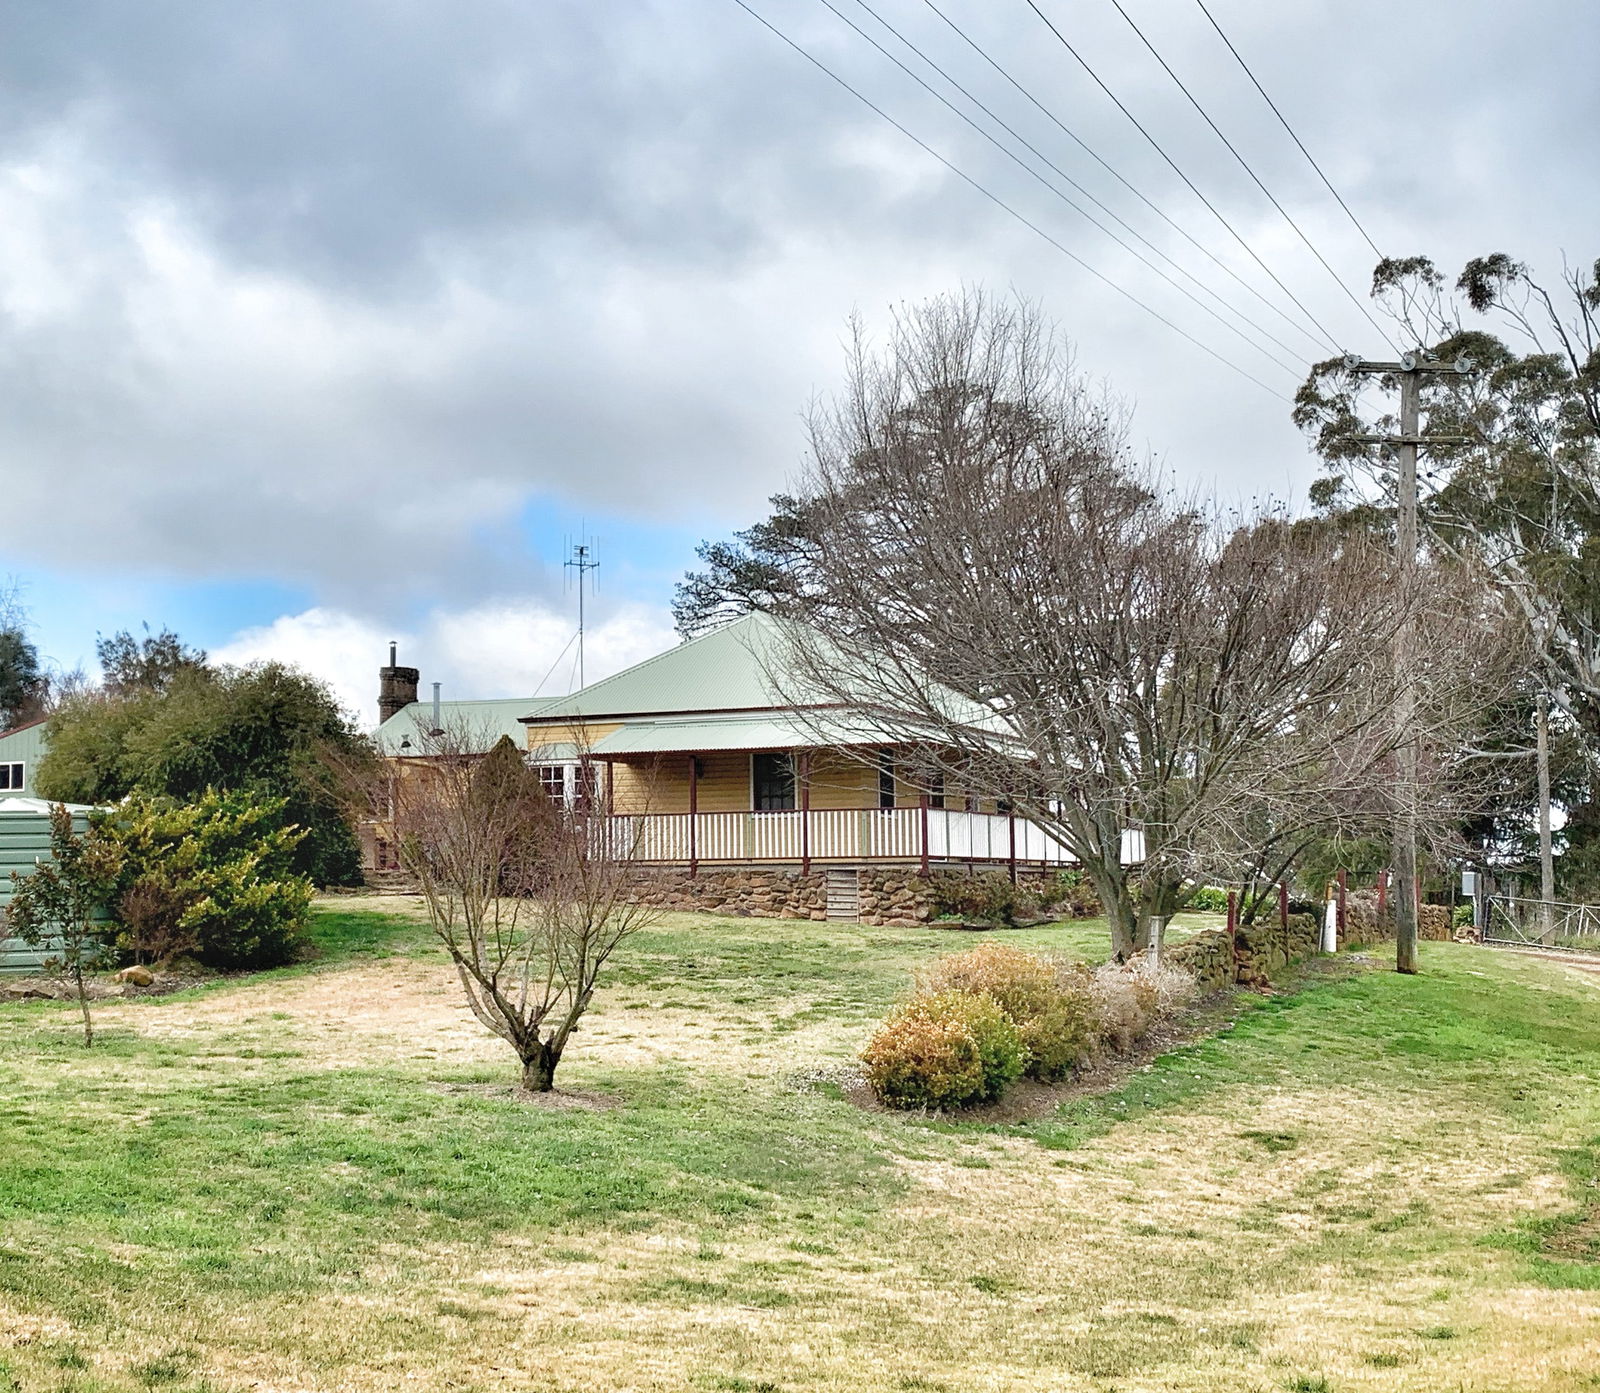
point(944, 1050)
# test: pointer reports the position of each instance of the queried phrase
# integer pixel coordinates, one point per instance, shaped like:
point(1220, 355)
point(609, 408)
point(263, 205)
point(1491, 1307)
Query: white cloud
point(501, 649)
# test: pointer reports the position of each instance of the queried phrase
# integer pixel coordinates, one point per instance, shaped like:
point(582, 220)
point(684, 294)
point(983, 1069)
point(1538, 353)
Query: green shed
point(21, 749)
point(24, 842)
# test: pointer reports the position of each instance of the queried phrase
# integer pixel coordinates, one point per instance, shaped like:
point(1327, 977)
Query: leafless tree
point(529, 896)
point(1000, 585)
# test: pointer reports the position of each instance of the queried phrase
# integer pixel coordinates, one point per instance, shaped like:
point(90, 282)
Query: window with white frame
point(13, 777)
point(569, 783)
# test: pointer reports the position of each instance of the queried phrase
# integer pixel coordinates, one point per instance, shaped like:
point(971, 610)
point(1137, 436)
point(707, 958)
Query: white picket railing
point(835, 834)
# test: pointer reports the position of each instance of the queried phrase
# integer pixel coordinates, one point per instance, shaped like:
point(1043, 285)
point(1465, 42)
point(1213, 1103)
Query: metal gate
point(1526, 923)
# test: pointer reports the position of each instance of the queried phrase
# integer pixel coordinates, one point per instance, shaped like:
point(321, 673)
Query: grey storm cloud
point(294, 290)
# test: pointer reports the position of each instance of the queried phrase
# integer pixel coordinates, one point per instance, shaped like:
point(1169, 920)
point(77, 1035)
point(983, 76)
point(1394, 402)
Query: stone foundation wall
point(759, 892)
point(888, 894)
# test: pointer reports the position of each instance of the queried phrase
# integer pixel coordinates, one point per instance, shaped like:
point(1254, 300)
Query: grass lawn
point(317, 1179)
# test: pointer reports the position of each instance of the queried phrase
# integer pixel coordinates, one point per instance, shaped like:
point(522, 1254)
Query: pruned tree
point(995, 582)
point(60, 905)
point(530, 898)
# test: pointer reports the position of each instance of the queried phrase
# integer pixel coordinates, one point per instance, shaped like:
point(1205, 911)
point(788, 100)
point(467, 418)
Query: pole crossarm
point(1418, 440)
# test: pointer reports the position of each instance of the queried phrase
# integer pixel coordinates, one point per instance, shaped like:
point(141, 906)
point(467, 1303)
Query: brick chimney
point(397, 687)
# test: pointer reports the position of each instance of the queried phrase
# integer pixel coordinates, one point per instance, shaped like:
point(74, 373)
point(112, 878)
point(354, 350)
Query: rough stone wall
point(759, 892)
point(1363, 924)
point(888, 894)
point(1254, 954)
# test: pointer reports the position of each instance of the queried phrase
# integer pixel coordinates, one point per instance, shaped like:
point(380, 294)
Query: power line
point(1327, 337)
point(1284, 122)
point(1245, 165)
point(1050, 163)
point(1118, 176)
point(1022, 164)
point(1001, 203)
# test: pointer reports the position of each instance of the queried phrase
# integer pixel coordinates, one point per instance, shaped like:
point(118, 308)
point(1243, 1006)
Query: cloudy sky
point(326, 322)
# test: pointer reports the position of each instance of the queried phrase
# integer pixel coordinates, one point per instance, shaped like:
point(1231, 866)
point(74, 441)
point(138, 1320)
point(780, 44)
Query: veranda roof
point(762, 732)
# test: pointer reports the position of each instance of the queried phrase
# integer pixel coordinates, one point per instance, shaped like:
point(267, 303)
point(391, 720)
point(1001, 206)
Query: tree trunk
point(539, 1068)
point(83, 1005)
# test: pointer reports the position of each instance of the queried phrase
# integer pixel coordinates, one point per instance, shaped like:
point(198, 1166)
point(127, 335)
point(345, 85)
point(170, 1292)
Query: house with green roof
point(700, 762)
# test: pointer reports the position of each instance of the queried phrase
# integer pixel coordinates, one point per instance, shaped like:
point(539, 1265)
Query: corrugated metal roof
point(724, 670)
point(479, 722)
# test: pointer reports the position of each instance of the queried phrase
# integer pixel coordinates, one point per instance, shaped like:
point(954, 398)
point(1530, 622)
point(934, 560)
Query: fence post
point(1383, 893)
point(1011, 832)
point(1158, 927)
point(694, 816)
point(922, 822)
point(1233, 935)
point(805, 813)
point(1344, 886)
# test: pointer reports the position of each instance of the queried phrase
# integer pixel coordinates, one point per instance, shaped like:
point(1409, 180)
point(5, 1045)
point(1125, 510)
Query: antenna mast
point(581, 563)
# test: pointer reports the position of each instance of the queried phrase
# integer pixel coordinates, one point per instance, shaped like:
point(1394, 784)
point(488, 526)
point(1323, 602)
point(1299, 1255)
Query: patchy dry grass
point(319, 1179)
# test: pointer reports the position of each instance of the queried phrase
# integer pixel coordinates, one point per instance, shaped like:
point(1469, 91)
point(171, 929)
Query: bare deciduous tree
point(996, 582)
point(528, 896)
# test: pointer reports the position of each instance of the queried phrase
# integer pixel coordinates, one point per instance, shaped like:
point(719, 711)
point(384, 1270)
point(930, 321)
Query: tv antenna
point(582, 562)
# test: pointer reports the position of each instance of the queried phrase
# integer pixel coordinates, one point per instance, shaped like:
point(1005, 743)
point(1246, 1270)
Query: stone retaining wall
point(1261, 949)
point(1250, 958)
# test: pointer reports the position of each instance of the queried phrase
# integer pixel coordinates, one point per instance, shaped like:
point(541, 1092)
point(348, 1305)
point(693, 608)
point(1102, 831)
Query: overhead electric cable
point(1023, 164)
point(1256, 178)
point(1284, 122)
point(1327, 337)
point(1116, 174)
point(1001, 203)
point(1051, 164)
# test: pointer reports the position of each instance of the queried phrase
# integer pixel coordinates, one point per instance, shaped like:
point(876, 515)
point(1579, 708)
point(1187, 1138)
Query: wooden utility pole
point(1409, 372)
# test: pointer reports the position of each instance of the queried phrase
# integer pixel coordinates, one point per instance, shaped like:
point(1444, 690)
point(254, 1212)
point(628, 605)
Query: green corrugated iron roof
point(729, 670)
point(725, 670)
point(479, 722)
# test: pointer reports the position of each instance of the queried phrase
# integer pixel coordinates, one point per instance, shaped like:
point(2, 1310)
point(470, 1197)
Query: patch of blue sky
point(641, 559)
point(67, 610)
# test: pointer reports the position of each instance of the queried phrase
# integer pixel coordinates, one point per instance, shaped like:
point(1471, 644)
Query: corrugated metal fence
point(24, 842)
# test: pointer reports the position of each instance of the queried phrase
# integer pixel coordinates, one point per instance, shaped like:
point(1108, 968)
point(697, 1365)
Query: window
point(772, 782)
point(886, 778)
point(11, 777)
point(936, 790)
point(570, 785)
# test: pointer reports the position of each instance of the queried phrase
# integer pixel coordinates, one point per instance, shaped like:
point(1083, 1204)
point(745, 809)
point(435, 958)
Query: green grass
point(337, 935)
point(219, 1186)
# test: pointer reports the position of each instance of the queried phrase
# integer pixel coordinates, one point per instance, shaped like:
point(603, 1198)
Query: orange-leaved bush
point(944, 1050)
point(1050, 1004)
